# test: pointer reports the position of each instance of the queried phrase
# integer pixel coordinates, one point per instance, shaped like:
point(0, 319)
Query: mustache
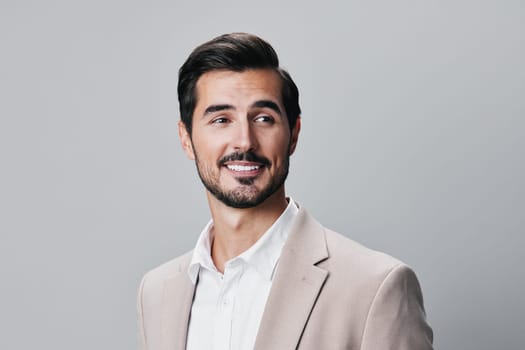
point(244, 156)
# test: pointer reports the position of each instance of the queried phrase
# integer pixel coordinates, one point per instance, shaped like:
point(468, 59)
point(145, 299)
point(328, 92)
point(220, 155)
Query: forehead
point(220, 86)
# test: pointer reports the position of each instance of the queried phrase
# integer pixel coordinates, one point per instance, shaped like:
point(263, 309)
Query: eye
point(264, 119)
point(219, 120)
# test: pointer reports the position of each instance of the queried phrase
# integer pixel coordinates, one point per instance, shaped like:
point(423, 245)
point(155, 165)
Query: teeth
point(243, 167)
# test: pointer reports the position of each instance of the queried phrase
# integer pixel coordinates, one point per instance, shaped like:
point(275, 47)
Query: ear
point(185, 140)
point(295, 135)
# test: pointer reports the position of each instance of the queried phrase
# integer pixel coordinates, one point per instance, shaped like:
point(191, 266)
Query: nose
point(245, 138)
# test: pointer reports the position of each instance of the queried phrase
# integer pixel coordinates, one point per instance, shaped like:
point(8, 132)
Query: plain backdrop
point(413, 143)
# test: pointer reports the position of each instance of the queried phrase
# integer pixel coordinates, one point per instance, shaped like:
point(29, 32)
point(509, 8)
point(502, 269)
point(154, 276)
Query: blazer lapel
point(178, 297)
point(296, 285)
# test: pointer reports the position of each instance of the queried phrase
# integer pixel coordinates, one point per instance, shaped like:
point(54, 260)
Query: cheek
point(279, 152)
point(281, 144)
point(208, 150)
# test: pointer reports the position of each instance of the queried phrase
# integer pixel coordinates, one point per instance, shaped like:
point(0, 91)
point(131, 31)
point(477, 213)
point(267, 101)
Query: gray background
point(412, 143)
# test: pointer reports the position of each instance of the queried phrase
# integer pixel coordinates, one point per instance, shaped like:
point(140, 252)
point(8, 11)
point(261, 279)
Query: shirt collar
point(202, 253)
point(262, 256)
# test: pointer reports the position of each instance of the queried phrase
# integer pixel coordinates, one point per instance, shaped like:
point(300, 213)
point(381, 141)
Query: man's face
point(240, 141)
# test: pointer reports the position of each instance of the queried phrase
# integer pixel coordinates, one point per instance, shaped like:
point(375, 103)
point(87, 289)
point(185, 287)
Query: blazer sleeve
point(396, 319)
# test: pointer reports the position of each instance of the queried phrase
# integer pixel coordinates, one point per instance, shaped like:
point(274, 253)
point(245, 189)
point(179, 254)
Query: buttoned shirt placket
point(223, 322)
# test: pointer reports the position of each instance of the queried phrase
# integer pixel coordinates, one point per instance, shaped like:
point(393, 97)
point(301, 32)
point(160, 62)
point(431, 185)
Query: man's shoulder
point(346, 251)
point(342, 253)
point(350, 260)
point(168, 269)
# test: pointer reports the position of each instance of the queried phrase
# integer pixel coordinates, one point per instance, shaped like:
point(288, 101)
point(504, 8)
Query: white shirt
point(227, 308)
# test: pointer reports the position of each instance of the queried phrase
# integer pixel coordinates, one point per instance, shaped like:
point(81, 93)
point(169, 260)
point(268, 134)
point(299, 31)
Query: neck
point(236, 230)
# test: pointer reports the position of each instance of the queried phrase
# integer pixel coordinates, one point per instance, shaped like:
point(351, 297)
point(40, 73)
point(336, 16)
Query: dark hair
point(236, 52)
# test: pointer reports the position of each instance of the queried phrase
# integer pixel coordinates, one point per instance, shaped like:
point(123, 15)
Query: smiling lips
point(244, 168)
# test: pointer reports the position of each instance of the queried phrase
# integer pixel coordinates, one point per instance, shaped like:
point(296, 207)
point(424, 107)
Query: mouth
point(244, 166)
point(244, 169)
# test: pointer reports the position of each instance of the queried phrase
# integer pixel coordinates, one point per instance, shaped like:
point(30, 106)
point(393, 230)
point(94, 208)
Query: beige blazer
point(328, 293)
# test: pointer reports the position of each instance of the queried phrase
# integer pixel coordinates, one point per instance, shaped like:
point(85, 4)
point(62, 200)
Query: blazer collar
point(295, 287)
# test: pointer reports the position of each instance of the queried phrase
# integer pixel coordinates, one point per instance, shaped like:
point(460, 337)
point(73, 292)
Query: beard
point(246, 194)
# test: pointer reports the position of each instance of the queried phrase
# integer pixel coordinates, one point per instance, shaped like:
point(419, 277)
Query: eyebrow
point(267, 104)
point(217, 108)
point(258, 104)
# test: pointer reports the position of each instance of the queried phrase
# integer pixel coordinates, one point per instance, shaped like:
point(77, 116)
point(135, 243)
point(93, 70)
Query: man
point(264, 274)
